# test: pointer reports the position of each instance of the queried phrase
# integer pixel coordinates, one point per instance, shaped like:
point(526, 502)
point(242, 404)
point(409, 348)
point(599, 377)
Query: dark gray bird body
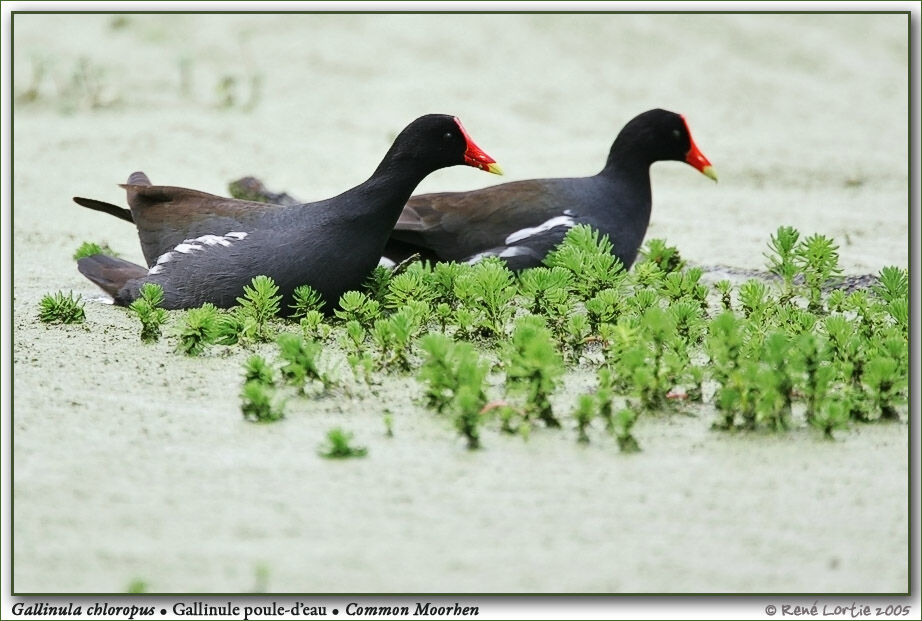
point(204, 248)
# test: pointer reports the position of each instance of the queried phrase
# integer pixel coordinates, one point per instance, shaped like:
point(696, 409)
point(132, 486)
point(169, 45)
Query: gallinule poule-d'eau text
point(204, 248)
point(522, 221)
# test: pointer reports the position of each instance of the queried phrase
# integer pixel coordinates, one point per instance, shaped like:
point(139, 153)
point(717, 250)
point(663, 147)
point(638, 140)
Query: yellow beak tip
point(495, 169)
point(709, 172)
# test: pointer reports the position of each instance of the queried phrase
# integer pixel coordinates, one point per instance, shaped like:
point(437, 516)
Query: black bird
point(522, 221)
point(204, 248)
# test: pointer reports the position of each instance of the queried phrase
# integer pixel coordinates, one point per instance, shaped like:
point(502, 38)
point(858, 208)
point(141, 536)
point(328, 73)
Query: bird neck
point(628, 155)
point(378, 201)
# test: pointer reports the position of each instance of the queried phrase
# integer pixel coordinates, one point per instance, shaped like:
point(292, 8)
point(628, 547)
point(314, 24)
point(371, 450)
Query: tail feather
point(110, 273)
point(109, 208)
point(138, 178)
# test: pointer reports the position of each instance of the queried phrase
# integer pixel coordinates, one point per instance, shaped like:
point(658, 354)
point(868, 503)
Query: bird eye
point(676, 134)
point(448, 136)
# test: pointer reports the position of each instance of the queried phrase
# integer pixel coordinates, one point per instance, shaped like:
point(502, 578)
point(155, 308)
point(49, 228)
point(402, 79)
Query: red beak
point(696, 158)
point(475, 156)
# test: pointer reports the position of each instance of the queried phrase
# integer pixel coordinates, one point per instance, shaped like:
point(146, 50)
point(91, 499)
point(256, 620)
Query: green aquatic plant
point(892, 284)
point(306, 300)
point(583, 414)
point(686, 285)
point(388, 420)
point(884, 383)
point(833, 415)
point(339, 445)
point(394, 336)
point(724, 345)
point(355, 305)
point(587, 255)
point(301, 361)
point(57, 308)
point(724, 288)
point(775, 383)
point(533, 366)
point(375, 286)
point(754, 299)
point(258, 403)
point(313, 326)
point(410, 286)
point(200, 328)
point(256, 369)
point(487, 289)
point(892, 289)
point(811, 358)
point(817, 258)
point(650, 363)
point(664, 256)
point(782, 260)
point(467, 418)
point(578, 333)
point(88, 249)
point(624, 420)
point(449, 366)
point(605, 307)
point(544, 288)
point(147, 308)
point(258, 306)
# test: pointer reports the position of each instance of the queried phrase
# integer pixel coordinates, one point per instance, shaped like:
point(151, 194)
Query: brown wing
point(457, 225)
point(167, 215)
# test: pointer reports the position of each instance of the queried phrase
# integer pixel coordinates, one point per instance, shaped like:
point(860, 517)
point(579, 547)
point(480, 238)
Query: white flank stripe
point(186, 247)
point(521, 234)
point(189, 246)
point(513, 251)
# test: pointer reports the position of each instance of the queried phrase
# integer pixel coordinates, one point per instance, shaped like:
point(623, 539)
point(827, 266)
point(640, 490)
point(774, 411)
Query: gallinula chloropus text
point(522, 221)
point(204, 248)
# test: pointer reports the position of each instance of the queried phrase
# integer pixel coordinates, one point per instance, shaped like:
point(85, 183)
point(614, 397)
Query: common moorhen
point(523, 220)
point(204, 248)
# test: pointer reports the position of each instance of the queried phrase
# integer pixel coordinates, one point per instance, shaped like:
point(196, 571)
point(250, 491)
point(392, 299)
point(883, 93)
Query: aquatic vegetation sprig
point(394, 338)
point(624, 420)
point(833, 415)
point(375, 286)
point(781, 257)
point(587, 255)
point(817, 258)
point(410, 286)
point(200, 328)
point(256, 369)
point(57, 308)
point(339, 445)
point(306, 299)
point(258, 403)
point(664, 256)
point(585, 411)
point(606, 306)
point(147, 308)
point(88, 249)
point(533, 366)
point(448, 367)
point(258, 306)
point(313, 326)
point(467, 405)
point(301, 361)
point(686, 285)
point(355, 305)
point(724, 288)
point(545, 288)
point(488, 290)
